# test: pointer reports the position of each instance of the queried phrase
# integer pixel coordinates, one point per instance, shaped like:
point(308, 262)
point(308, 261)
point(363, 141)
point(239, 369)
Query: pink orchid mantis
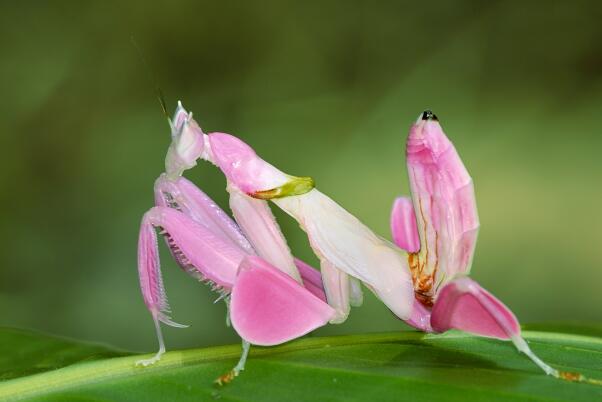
point(424, 279)
point(272, 296)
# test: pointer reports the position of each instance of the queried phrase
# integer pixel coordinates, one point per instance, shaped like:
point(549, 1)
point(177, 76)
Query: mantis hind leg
point(161, 351)
point(240, 366)
point(463, 304)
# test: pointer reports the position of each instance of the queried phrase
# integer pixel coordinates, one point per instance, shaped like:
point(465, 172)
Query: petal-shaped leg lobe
point(403, 225)
point(336, 287)
point(312, 279)
point(204, 254)
point(405, 235)
point(241, 165)
point(420, 318)
point(267, 307)
point(149, 269)
point(463, 304)
point(356, 295)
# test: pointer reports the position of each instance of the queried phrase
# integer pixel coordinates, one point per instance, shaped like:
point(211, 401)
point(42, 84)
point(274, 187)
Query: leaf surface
point(371, 367)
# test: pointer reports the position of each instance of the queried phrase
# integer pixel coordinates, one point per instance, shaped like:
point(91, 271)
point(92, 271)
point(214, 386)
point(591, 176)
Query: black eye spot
point(429, 115)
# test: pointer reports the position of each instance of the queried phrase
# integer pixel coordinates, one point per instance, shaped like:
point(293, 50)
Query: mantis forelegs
point(266, 305)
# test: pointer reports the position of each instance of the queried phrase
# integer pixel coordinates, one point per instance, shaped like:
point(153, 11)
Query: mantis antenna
point(152, 79)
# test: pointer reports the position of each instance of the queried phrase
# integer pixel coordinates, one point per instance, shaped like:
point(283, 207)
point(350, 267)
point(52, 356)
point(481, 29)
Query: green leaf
point(374, 367)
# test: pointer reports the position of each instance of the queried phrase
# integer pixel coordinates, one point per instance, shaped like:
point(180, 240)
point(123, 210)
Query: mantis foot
point(226, 378)
point(157, 356)
point(240, 366)
point(151, 361)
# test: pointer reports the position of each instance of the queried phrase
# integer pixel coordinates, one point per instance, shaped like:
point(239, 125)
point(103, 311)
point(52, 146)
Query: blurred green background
point(326, 89)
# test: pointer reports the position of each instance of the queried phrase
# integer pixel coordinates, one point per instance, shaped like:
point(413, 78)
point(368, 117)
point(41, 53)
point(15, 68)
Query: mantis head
point(187, 143)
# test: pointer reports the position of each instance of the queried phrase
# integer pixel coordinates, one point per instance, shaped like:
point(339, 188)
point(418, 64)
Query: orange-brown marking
point(225, 379)
point(423, 282)
point(570, 376)
point(578, 377)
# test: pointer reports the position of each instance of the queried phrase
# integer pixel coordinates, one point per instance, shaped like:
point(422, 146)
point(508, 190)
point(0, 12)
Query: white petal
point(339, 237)
point(259, 226)
point(336, 287)
point(356, 296)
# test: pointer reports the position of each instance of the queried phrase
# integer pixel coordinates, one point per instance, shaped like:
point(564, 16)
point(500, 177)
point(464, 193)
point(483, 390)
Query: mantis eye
point(428, 115)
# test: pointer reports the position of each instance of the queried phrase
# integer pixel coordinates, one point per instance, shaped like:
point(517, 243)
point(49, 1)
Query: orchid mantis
point(273, 297)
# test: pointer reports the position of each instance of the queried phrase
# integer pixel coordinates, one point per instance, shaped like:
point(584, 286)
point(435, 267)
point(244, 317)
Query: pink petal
point(200, 252)
point(251, 174)
point(204, 253)
point(444, 200)
point(317, 291)
point(421, 317)
point(309, 273)
point(463, 304)
point(242, 166)
point(149, 269)
point(403, 225)
point(336, 287)
point(312, 280)
point(268, 307)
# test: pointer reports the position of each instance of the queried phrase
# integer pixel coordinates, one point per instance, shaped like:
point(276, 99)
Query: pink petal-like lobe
point(403, 225)
point(204, 254)
point(312, 279)
point(421, 317)
point(337, 288)
point(268, 307)
point(463, 304)
point(241, 165)
point(149, 269)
